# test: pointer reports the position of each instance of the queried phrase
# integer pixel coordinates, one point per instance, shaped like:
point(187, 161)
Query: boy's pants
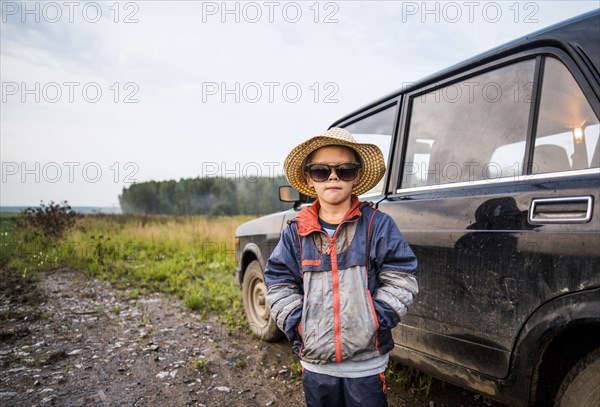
point(328, 391)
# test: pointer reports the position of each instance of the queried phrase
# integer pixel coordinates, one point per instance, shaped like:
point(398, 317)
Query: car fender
point(544, 324)
point(249, 252)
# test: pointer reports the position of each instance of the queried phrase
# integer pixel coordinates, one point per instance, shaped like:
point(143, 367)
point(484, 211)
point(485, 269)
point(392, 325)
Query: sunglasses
point(321, 172)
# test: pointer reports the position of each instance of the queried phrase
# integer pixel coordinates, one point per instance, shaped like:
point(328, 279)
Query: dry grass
point(192, 257)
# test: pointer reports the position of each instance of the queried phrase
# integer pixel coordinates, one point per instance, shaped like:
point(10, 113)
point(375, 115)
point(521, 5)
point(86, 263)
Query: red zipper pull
point(331, 245)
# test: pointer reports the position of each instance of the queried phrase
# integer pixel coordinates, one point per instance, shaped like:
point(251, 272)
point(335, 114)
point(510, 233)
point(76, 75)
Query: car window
point(376, 129)
point(471, 130)
point(567, 128)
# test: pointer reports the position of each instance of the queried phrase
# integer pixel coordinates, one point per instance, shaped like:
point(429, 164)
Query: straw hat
point(371, 158)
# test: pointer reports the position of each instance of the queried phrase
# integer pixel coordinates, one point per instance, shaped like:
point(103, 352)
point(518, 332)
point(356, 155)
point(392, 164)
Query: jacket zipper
point(332, 252)
point(335, 280)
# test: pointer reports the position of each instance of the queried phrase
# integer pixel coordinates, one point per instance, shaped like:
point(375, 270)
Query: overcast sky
point(97, 95)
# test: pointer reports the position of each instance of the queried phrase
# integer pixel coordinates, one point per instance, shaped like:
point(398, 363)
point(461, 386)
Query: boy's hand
point(296, 345)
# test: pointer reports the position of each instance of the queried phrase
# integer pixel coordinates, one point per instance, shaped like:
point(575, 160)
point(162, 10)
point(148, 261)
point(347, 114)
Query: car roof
point(578, 36)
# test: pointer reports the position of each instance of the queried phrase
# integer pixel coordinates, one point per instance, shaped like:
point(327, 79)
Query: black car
point(493, 178)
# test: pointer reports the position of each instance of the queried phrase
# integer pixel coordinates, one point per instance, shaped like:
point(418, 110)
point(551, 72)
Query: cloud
point(170, 54)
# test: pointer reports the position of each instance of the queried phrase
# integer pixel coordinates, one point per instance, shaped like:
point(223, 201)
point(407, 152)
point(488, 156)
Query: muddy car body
point(493, 177)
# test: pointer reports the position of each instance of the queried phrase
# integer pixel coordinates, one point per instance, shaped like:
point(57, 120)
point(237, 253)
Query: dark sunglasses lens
point(319, 173)
point(347, 173)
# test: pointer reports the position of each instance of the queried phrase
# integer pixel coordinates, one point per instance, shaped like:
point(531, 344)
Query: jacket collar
point(308, 218)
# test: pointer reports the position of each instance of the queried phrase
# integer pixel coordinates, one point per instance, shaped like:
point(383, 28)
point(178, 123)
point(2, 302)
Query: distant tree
point(166, 196)
point(212, 195)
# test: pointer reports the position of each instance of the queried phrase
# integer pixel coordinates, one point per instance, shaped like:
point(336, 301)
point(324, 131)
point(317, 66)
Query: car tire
point(581, 386)
point(254, 292)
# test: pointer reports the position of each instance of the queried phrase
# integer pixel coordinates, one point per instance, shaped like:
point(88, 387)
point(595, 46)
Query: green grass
point(408, 378)
point(240, 364)
point(295, 367)
point(201, 365)
point(191, 257)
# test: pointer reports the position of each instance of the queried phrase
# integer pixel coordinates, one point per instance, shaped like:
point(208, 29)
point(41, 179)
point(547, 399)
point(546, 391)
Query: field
point(192, 257)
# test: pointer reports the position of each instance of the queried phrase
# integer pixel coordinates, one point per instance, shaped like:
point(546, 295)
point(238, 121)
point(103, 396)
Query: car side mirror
point(288, 194)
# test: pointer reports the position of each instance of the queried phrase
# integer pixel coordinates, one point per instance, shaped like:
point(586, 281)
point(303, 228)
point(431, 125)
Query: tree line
point(207, 196)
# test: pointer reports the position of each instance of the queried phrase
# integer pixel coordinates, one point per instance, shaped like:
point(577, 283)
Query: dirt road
point(70, 340)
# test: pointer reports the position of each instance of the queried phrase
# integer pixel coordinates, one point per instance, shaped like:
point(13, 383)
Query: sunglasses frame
point(308, 168)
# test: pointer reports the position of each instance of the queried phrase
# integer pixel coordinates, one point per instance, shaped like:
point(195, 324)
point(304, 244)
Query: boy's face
point(333, 191)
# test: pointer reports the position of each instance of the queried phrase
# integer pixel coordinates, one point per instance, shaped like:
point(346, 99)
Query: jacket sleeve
point(395, 266)
point(283, 278)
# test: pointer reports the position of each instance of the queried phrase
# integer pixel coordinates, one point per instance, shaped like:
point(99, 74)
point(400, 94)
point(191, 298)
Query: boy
point(342, 275)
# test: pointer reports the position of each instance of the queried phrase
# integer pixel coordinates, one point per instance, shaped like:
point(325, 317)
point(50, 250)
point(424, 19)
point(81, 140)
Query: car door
point(497, 194)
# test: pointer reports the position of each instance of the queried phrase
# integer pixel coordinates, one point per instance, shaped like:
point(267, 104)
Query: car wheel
point(254, 293)
point(581, 386)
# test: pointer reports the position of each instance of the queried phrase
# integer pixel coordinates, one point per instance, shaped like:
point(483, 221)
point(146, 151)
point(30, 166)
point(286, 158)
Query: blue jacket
point(342, 295)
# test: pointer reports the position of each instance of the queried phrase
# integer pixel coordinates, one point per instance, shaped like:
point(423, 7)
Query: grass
point(408, 378)
point(192, 257)
point(239, 363)
point(201, 365)
point(295, 367)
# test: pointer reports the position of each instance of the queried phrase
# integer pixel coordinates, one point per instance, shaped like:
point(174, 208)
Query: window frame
point(396, 103)
point(539, 55)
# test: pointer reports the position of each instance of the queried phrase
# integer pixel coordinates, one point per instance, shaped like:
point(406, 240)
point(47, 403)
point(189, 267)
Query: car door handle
point(572, 209)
